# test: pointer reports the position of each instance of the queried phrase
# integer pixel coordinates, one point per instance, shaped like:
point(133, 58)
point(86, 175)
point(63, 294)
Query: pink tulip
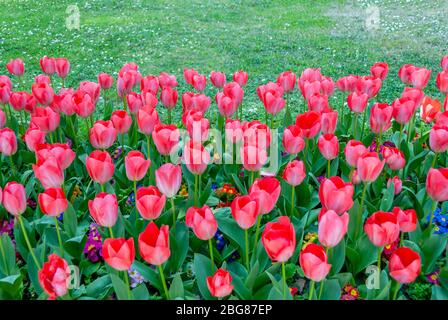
point(220, 284)
point(380, 117)
point(240, 77)
point(62, 152)
point(403, 110)
point(353, 150)
point(134, 102)
point(369, 166)
point(121, 120)
point(147, 119)
point(218, 79)
point(195, 157)
point(14, 198)
point(328, 121)
point(292, 140)
point(404, 265)
point(169, 97)
point(287, 80)
point(16, 67)
point(150, 202)
point(8, 142)
point(49, 172)
point(437, 184)
point(48, 65)
point(62, 67)
point(154, 244)
point(336, 195)
point(100, 166)
point(245, 210)
point(43, 93)
point(169, 179)
point(234, 91)
point(84, 104)
point(438, 138)
point(202, 221)
point(165, 137)
point(328, 145)
point(52, 202)
point(394, 158)
point(253, 157)
point(33, 137)
point(136, 165)
point(279, 239)
point(382, 228)
point(150, 84)
point(379, 70)
point(189, 74)
point(398, 184)
point(104, 209)
point(167, 80)
point(318, 103)
point(332, 227)
point(45, 119)
point(199, 82)
point(314, 263)
point(309, 123)
point(105, 81)
point(271, 95)
point(407, 219)
point(294, 173)
point(226, 105)
point(266, 191)
point(103, 134)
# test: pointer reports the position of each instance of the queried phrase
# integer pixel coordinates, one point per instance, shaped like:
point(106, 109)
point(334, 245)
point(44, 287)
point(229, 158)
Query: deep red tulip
point(279, 239)
point(404, 265)
point(14, 198)
point(100, 166)
point(382, 228)
point(332, 227)
point(309, 123)
point(119, 253)
point(154, 244)
point(314, 263)
point(266, 191)
point(169, 179)
point(244, 210)
point(202, 221)
point(136, 165)
point(54, 277)
point(220, 285)
point(52, 202)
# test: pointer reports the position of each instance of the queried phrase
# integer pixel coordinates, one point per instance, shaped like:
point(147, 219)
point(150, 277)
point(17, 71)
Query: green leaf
point(202, 269)
point(229, 226)
point(141, 292)
point(99, 287)
point(331, 289)
point(439, 293)
point(251, 277)
point(388, 198)
point(121, 289)
point(241, 188)
point(336, 257)
point(179, 243)
point(11, 285)
point(151, 275)
point(355, 222)
point(70, 221)
point(10, 255)
point(177, 288)
point(278, 291)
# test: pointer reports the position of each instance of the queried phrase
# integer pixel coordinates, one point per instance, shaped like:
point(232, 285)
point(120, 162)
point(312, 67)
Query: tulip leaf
point(70, 221)
point(177, 288)
point(439, 293)
point(179, 244)
point(10, 286)
point(331, 289)
point(229, 226)
point(202, 270)
point(355, 222)
point(388, 198)
point(9, 266)
point(241, 188)
point(99, 287)
point(336, 257)
point(120, 288)
point(279, 291)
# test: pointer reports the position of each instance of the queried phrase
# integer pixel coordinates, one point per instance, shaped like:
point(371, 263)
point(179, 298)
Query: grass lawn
point(263, 37)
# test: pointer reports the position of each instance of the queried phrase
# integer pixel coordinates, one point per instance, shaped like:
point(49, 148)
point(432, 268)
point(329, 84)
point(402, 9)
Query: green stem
point(363, 123)
point(4, 256)
point(400, 136)
point(126, 280)
point(257, 231)
point(162, 277)
point(397, 288)
point(174, 213)
point(292, 200)
point(410, 128)
point(380, 250)
point(125, 104)
point(401, 238)
point(321, 289)
point(59, 235)
point(328, 168)
point(378, 143)
point(148, 145)
point(434, 206)
point(196, 190)
point(355, 125)
point(251, 181)
point(363, 194)
point(284, 280)
point(27, 240)
point(103, 188)
point(169, 115)
point(246, 238)
point(111, 233)
point(434, 161)
point(310, 296)
point(210, 246)
point(272, 121)
point(13, 166)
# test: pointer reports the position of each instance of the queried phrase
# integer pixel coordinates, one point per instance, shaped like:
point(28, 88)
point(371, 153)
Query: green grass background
point(261, 36)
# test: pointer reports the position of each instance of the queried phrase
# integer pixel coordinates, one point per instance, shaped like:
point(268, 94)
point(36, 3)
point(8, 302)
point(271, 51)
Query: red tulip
point(233, 131)
point(62, 67)
point(121, 120)
point(136, 165)
point(244, 210)
point(318, 102)
point(394, 158)
point(62, 152)
point(5, 92)
point(240, 77)
point(369, 166)
point(437, 184)
point(18, 100)
point(169, 179)
point(309, 123)
point(403, 110)
point(198, 127)
point(199, 82)
point(167, 80)
point(8, 142)
point(147, 119)
point(52, 202)
point(368, 85)
point(202, 221)
point(119, 253)
point(328, 121)
point(220, 284)
point(33, 137)
point(45, 119)
point(314, 263)
point(104, 209)
point(14, 198)
point(442, 119)
point(189, 74)
point(287, 80)
point(16, 67)
point(100, 166)
point(197, 101)
point(379, 70)
point(168, 97)
point(42, 78)
point(226, 105)
point(438, 138)
point(218, 79)
point(336, 195)
point(234, 91)
point(84, 104)
point(63, 102)
point(134, 102)
point(398, 184)
point(154, 244)
point(271, 95)
point(165, 137)
point(103, 134)
point(405, 73)
point(48, 65)
point(404, 265)
point(420, 77)
point(91, 88)
point(382, 228)
point(353, 150)
point(292, 140)
point(328, 145)
point(294, 173)
point(126, 81)
point(105, 81)
point(380, 117)
point(279, 239)
point(256, 133)
point(253, 157)
point(357, 101)
point(332, 227)
point(150, 202)
point(407, 219)
point(49, 172)
point(347, 83)
point(266, 191)
point(43, 93)
point(195, 157)
point(54, 277)
point(150, 84)
point(430, 109)
point(442, 82)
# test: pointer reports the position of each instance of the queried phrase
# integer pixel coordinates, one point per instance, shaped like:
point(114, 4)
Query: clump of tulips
point(111, 192)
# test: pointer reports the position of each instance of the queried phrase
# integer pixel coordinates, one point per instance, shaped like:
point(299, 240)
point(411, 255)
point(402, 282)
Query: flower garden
point(127, 188)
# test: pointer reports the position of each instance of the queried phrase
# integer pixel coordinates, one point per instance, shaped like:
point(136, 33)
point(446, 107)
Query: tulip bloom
point(5, 91)
point(319, 103)
point(121, 120)
point(196, 157)
point(165, 137)
point(407, 219)
point(199, 82)
point(403, 110)
point(136, 165)
point(119, 253)
point(16, 67)
point(234, 91)
point(218, 79)
point(309, 123)
point(332, 227)
point(150, 202)
point(287, 80)
point(104, 209)
point(233, 131)
point(398, 184)
point(83, 103)
point(62, 67)
point(292, 140)
point(294, 173)
point(279, 239)
point(244, 210)
point(91, 88)
point(167, 80)
point(169, 97)
point(134, 102)
point(100, 166)
point(394, 158)
point(329, 121)
point(49, 172)
point(33, 137)
point(430, 108)
point(48, 65)
point(253, 157)
point(2, 119)
point(14, 198)
point(328, 145)
point(404, 265)
point(189, 74)
point(380, 117)
point(202, 221)
point(150, 84)
point(8, 142)
point(226, 105)
point(103, 134)
point(54, 277)
point(271, 95)
point(169, 179)
point(369, 166)
point(45, 119)
point(336, 195)
point(379, 70)
point(18, 100)
point(314, 263)
point(52, 202)
point(382, 228)
point(154, 244)
point(438, 138)
point(442, 82)
point(357, 101)
point(437, 184)
point(240, 77)
point(62, 152)
point(220, 284)
point(43, 93)
point(266, 191)
point(419, 77)
point(105, 81)
point(353, 150)
point(147, 119)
